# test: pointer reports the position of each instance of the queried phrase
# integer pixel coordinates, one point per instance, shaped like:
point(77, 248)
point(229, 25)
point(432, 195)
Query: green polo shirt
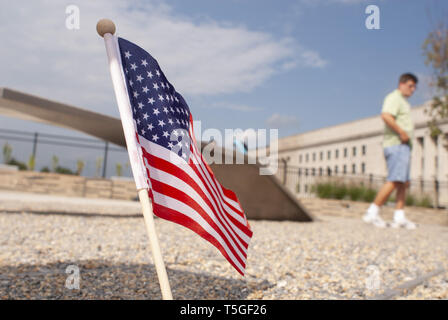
point(398, 106)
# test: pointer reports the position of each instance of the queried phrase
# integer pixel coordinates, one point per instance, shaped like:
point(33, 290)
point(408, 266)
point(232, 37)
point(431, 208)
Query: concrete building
point(354, 149)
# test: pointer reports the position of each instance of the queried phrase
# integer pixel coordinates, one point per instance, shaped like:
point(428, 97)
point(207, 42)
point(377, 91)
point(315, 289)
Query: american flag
point(182, 187)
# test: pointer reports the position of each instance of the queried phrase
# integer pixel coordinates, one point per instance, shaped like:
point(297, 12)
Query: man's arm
point(391, 123)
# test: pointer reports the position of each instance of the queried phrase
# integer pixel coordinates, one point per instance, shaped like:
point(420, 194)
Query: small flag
point(182, 187)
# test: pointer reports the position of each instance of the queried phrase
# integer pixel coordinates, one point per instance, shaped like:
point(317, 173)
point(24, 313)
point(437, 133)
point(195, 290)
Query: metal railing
point(301, 180)
point(37, 138)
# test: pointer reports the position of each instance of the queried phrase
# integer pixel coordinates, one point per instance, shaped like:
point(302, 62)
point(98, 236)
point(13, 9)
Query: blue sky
point(292, 65)
point(362, 65)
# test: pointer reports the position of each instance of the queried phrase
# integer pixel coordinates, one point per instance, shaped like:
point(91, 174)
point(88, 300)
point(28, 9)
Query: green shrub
point(369, 195)
point(340, 191)
point(45, 169)
point(329, 190)
point(63, 170)
point(14, 162)
point(425, 202)
point(410, 200)
point(324, 190)
point(355, 192)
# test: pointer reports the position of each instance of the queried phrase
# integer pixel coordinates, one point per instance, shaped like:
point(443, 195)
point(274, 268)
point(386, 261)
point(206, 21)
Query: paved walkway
point(12, 201)
point(355, 209)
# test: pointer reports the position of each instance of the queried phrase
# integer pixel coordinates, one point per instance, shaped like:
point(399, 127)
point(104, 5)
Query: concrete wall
point(67, 185)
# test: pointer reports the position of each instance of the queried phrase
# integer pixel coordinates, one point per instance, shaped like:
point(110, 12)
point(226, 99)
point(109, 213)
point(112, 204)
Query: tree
point(31, 162)
point(98, 165)
point(54, 163)
point(119, 169)
point(79, 166)
point(7, 152)
point(435, 49)
point(9, 159)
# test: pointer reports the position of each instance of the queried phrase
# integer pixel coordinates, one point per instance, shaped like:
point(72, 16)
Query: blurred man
point(397, 144)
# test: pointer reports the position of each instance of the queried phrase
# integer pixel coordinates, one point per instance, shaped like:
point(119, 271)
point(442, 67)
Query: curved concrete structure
point(28, 107)
point(262, 197)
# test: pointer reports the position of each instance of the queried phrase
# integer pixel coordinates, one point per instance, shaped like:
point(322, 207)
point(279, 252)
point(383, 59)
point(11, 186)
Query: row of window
point(329, 171)
point(306, 157)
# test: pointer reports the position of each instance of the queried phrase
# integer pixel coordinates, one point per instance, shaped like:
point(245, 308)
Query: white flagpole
point(106, 29)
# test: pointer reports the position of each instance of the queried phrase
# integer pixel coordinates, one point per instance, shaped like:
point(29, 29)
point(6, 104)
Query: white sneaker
point(404, 223)
point(375, 220)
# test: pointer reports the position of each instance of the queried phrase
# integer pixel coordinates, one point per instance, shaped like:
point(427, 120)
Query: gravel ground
point(333, 258)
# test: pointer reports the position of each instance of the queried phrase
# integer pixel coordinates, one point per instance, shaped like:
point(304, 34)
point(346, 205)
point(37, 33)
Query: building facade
point(354, 149)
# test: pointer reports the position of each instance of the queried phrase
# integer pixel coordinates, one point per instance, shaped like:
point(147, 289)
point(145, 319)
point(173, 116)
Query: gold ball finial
point(105, 26)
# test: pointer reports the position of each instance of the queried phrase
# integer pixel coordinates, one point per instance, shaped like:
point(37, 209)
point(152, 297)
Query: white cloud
point(280, 121)
point(41, 56)
point(231, 106)
point(312, 58)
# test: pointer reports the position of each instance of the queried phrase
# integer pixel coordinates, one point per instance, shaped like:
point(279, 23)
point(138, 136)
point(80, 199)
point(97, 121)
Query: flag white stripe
point(233, 203)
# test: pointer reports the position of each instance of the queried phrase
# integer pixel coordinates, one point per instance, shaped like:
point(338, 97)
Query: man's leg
point(401, 195)
point(399, 216)
point(372, 214)
point(384, 193)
